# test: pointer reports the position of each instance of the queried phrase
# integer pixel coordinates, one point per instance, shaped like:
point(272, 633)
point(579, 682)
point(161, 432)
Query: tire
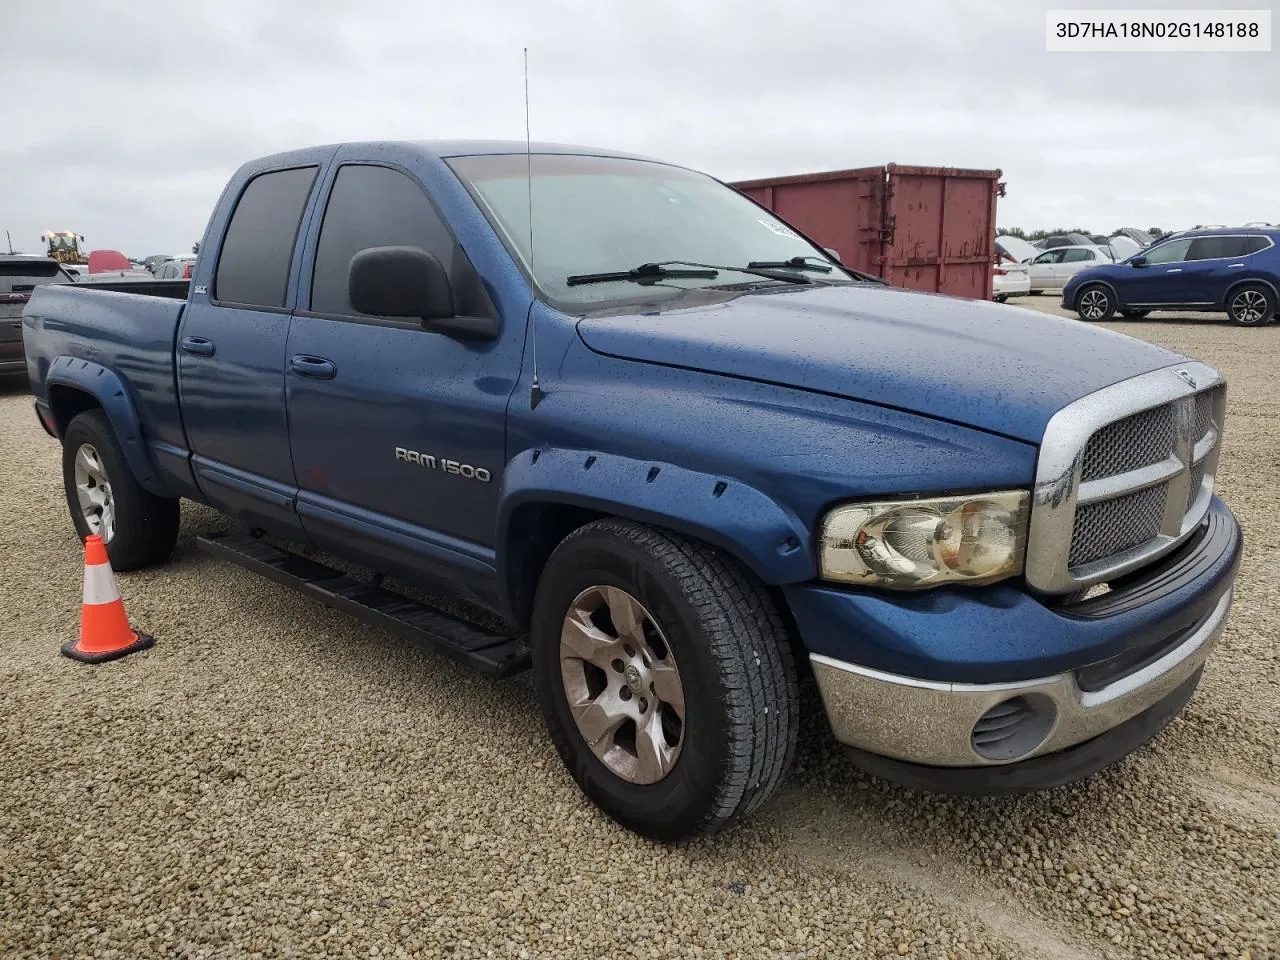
point(1134, 314)
point(1001, 298)
point(733, 665)
point(138, 527)
point(1095, 303)
point(1251, 305)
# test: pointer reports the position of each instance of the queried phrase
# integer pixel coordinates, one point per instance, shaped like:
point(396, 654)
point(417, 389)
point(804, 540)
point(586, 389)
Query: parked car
point(1064, 240)
point(1122, 247)
point(1051, 269)
point(154, 260)
point(178, 268)
point(20, 274)
point(1137, 235)
point(1234, 270)
point(1015, 249)
point(683, 464)
point(1009, 280)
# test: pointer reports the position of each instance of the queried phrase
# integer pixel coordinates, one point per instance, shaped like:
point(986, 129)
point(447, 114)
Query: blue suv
point(1232, 270)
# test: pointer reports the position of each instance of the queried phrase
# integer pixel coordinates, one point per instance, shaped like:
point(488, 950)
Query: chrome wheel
point(1249, 307)
point(1094, 304)
point(94, 492)
point(622, 685)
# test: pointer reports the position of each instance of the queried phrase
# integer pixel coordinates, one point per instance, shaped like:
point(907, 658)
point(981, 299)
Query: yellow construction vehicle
point(64, 246)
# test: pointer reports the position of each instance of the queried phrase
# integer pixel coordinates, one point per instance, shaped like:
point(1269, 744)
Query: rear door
point(1213, 264)
point(231, 354)
point(397, 432)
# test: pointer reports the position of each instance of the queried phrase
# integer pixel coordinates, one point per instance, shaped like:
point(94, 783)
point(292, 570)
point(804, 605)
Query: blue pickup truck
point(675, 458)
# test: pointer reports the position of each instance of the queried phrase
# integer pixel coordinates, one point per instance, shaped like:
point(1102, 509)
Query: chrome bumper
point(932, 723)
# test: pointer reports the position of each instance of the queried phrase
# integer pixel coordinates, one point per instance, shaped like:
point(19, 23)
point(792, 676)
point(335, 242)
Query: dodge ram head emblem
point(1190, 380)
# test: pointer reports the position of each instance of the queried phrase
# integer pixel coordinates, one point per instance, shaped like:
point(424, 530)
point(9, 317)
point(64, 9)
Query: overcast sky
point(123, 121)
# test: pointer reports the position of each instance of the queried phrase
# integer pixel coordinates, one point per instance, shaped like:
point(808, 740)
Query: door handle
point(1174, 270)
point(199, 346)
point(317, 368)
point(1232, 266)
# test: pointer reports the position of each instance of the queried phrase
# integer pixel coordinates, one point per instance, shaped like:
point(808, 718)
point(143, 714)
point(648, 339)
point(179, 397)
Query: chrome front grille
point(1137, 441)
point(1124, 475)
point(1110, 526)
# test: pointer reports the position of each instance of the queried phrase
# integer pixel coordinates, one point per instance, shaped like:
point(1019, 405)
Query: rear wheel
point(1000, 297)
point(1094, 303)
point(1252, 305)
point(138, 528)
point(665, 677)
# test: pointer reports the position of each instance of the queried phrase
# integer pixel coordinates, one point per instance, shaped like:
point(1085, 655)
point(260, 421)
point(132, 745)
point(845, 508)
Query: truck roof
point(458, 148)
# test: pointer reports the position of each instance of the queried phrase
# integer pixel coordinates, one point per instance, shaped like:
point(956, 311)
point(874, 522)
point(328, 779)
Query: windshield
point(605, 214)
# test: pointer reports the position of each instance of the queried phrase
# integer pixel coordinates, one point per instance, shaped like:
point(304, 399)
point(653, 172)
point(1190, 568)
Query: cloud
point(131, 117)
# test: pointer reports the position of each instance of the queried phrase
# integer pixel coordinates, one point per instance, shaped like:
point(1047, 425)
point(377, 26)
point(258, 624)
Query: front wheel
point(1094, 304)
point(138, 528)
point(665, 677)
point(1252, 305)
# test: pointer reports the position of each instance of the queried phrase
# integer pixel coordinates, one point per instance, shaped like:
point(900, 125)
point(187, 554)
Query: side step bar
point(492, 653)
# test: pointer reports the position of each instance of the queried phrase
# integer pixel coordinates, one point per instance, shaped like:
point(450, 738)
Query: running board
point(492, 653)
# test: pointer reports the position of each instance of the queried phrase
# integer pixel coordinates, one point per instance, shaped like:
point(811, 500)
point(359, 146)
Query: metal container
point(924, 228)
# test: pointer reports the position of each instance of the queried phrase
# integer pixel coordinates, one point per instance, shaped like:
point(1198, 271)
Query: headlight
point(910, 544)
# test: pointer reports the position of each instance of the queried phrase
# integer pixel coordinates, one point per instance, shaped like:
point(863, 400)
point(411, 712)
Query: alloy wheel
point(1249, 307)
point(1094, 304)
point(94, 492)
point(622, 684)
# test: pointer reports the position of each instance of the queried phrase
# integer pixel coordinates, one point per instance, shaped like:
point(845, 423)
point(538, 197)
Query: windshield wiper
point(645, 273)
point(795, 263)
point(651, 272)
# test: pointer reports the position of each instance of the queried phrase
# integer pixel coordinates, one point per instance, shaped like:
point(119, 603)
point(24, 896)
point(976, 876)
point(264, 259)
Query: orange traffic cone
point(105, 633)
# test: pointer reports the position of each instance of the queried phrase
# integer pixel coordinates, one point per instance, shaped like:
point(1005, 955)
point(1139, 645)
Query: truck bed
point(132, 332)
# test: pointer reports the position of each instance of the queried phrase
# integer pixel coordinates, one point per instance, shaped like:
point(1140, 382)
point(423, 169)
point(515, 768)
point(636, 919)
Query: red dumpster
point(925, 228)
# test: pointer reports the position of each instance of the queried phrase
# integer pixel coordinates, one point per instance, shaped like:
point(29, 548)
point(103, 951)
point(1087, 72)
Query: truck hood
point(1000, 368)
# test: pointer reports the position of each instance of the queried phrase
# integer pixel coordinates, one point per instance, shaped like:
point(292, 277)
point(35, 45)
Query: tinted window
point(19, 276)
point(1172, 252)
point(1253, 245)
point(372, 207)
point(1075, 256)
point(1216, 248)
point(258, 248)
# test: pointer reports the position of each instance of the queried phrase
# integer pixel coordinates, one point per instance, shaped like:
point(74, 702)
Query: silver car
point(1053, 268)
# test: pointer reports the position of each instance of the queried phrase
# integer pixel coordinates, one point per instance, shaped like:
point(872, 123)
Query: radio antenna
point(535, 388)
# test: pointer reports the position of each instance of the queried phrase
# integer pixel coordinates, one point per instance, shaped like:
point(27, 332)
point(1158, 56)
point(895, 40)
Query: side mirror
point(833, 253)
point(409, 282)
point(1138, 262)
point(399, 282)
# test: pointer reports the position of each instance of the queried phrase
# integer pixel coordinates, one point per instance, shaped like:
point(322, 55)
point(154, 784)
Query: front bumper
point(936, 724)
point(997, 678)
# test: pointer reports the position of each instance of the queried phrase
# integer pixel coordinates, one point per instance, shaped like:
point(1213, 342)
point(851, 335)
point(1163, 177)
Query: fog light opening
point(1013, 728)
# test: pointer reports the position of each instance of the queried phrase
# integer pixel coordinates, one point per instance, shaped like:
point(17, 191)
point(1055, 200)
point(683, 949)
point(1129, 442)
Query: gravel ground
point(272, 779)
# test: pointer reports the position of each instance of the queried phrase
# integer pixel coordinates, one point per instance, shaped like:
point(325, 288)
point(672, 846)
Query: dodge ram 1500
point(683, 454)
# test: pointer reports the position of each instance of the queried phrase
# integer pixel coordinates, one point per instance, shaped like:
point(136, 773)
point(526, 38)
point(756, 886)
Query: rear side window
point(23, 276)
point(372, 207)
point(1253, 245)
point(1217, 248)
point(253, 268)
point(1076, 255)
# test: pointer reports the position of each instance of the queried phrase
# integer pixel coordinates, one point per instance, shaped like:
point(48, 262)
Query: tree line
point(1032, 236)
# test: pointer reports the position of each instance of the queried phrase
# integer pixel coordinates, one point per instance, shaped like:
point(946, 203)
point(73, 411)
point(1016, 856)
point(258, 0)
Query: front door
point(397, 433)
point(231, 356)
point(1043, 269)
point(1159, 279)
